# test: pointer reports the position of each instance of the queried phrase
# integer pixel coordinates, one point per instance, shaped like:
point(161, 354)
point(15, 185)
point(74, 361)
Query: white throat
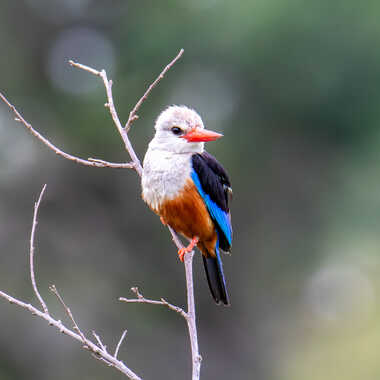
point(164, 174)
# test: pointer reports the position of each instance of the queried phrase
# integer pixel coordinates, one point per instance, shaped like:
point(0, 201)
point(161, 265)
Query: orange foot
point(162, 220)
point(189, 248)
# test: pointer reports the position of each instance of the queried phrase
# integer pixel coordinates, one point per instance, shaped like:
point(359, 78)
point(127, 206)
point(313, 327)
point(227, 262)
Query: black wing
point(216, 186)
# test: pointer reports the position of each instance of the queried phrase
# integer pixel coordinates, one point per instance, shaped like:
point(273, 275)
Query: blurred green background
point(294, 87)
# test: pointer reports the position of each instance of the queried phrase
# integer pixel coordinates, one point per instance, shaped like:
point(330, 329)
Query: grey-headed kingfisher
point(189, 189)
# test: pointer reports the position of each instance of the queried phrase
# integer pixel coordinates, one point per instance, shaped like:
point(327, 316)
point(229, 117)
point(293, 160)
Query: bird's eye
point(177, 130)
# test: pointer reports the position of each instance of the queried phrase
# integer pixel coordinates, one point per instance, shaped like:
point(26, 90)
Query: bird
point(190, 190)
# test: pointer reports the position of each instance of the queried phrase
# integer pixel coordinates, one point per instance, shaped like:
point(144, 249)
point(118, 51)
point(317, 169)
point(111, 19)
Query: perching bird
point(190, 190)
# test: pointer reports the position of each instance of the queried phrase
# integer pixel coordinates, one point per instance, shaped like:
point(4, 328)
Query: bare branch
point(190, 316)
point(59, 152)
point(175, 238)
point(106, 164)
point(31, 252)
point(135, 164)
point(133, 115)
point(111, 106)
point(85, 68)
point(177, 309)
point(141, 299)
point(98, 351)
point(119, 344)
point(191, 321)
point(96, 336)
point(68, 311)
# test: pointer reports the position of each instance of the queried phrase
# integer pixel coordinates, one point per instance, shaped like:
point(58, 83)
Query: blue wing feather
point(220, 265)
point(217, 214)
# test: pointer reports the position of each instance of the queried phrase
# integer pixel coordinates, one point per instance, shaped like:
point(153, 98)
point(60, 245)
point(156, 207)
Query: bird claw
point(181, 253)
point(189, 248)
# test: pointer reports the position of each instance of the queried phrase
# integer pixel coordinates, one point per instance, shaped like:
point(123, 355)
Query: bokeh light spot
point(338, 293)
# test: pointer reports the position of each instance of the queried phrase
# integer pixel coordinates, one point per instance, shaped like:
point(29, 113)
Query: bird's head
point(180, 129)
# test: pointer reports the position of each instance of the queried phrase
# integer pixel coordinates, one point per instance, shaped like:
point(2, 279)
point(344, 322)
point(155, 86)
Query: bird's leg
point(162, 220)
point(189, 248)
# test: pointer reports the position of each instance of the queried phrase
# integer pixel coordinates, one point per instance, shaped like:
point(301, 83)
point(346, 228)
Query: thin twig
point(96, 336)
point(68, 311)
point(127, 165)
point(84, 67)
point(119, 344)
point(99, 352)
point(31, 251)
point(177, 309)
point(133, 114)
point(92, 347)
point(111, 106)
point(141, 299)
point(59, 152)
point(190, 316)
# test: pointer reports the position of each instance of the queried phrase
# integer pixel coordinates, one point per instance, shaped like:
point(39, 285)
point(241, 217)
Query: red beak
point(201, 135)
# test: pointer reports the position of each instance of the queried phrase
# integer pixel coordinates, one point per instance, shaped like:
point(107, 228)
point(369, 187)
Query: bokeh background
point(294, 87)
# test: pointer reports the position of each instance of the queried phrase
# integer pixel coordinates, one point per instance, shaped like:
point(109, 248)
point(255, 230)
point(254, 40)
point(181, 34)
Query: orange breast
point(188, 215)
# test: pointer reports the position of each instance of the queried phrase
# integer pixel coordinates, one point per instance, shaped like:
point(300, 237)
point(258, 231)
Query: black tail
point(215, 278)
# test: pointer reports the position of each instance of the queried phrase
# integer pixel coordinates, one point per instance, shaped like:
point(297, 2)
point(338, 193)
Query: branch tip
point(119, 343)
point(31, 252)
point(132, 114)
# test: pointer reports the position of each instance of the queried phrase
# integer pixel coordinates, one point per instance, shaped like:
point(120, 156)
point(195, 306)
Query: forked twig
point(132, 115)
point(100, 352)
point(189, 316)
